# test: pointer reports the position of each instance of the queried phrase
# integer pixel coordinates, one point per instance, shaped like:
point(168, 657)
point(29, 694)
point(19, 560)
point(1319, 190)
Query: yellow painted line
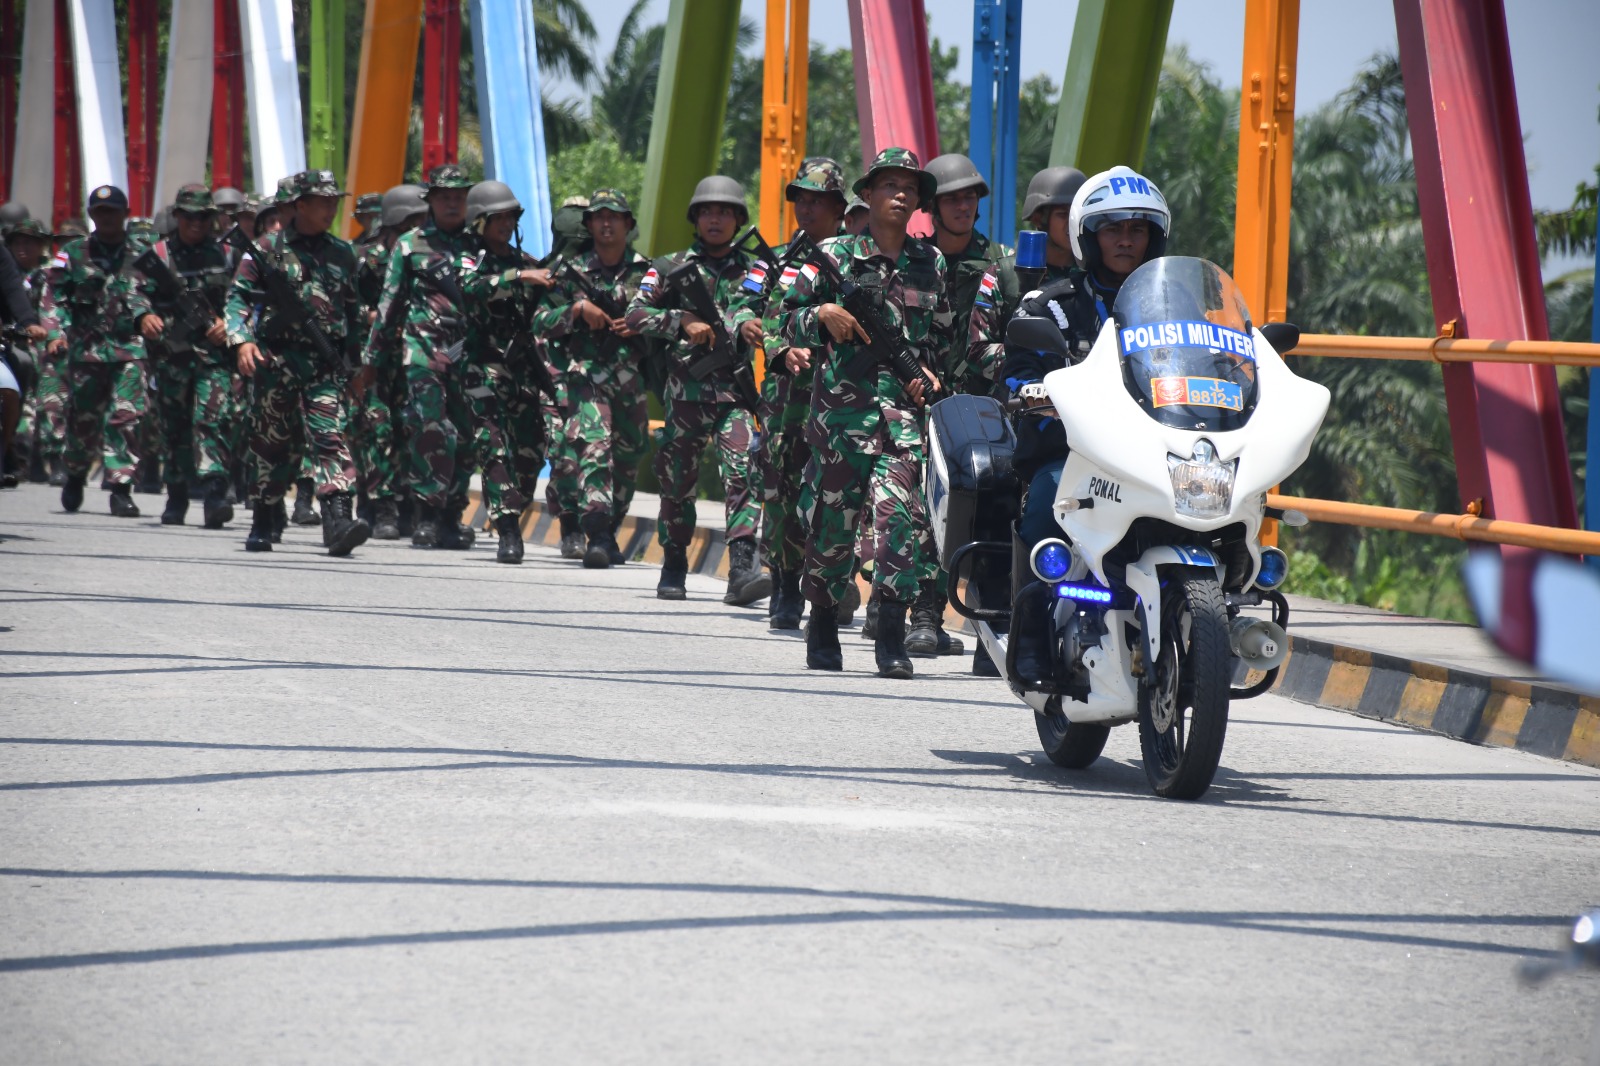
point(1420, 702)
point(1584, 743)
point(1346, 682)
point(1502, 719)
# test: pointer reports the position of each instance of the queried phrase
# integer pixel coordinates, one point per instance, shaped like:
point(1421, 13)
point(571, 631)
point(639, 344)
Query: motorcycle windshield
point(1184, 334)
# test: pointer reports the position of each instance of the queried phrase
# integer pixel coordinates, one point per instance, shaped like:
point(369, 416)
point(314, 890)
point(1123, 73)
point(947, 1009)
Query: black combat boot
point(618, 557)
point(36, 474)
point(385, 519)
point(1031, 632)
point(148, 475)
point(982, 664)
point(425, 531)
point(454, 534)
point(747, 582)
point(848, 605)
point(341, 531)
point(177, 505)
point(869, 625)
point(510, 550)
point(597, 527)
point(58, 470)
point(72, 492)
point(122, 505)
point(280, 521)
point(571, 537)
point(791, 603)
point(304, 513)
point(822, 639)
point(889, 646)
point(218, 511)
point(405, 509)
point(261, 527)
point(927, 638)
point(674, 574)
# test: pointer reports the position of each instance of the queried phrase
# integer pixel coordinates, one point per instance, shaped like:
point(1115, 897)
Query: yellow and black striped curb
point(1477, 708)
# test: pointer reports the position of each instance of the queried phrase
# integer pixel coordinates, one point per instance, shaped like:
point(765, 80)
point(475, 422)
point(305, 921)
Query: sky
point(1554, 46)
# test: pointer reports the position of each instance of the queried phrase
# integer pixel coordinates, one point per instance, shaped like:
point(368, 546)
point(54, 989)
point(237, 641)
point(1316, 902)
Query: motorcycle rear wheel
point(1183, 700)
point(1070, 745)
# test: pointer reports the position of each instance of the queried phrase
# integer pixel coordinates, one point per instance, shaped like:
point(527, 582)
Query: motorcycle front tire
point(1183, 700)
point(1070, 745)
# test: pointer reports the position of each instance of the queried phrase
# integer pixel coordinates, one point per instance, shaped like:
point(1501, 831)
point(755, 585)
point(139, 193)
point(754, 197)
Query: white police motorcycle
point(1179, 420)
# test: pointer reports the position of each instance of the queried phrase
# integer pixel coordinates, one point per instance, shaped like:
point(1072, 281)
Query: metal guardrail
point(1448, 349)
point(1459, 526)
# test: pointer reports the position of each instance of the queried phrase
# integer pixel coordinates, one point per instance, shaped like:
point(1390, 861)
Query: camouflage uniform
point(563, 493)
point(375, 444)
point(606, 416)
point(45, 409)
point(429, 331)
point(195, 379)
point(697, 412)
point(93, 299)
point(865, 432)
point(509, 429)
point(295, 382)
point(964, 279)
point(995, 301)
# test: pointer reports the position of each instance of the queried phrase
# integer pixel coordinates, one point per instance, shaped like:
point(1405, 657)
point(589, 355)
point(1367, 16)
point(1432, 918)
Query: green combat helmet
point(899, 159)
point(817, 174)
point(11, 214)
point(1052, 187)
point(448, 176)
point(316, 183)
point(856, 204)
point(567, 226)
point(195, 199)
point(166, 221)
point(718, 189)
point(402, 202)
point(491, 198)
point(228, 200)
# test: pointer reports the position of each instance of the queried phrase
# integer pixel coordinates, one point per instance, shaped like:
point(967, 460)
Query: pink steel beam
point(894, 83)
point(144, 88)
point(69, 154)
point(1483, 269)
point(227, 100)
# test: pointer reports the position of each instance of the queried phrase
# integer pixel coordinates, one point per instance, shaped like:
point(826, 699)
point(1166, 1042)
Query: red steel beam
point(227, 99)
point(10, 74)
point(441, 82)
point(452, 79)
point(69, 160)
point(1483, 270)
point(144, 90)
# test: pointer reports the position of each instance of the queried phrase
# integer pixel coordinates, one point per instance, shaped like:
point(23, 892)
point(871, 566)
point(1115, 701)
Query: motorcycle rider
point(1119, 221)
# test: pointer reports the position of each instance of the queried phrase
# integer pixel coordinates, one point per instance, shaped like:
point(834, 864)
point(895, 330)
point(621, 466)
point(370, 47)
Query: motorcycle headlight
point(1202, 484)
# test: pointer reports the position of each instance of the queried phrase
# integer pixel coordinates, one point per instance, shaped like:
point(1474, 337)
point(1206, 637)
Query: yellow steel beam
point(783, 97)
point(382, 119)
point(1266, 156)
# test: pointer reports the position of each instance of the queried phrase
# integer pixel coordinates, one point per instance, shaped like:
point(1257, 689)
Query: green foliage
point(580, 170)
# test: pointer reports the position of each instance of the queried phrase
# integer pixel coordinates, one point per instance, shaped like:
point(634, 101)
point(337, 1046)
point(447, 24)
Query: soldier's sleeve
point(55, 312)
point(799, 326)
point(243, 295)
point(650, 311)
point(936, 347)
point(354, 315)
point(383, 332)
point(487, 285)
point(985, 349)
point(554, 317)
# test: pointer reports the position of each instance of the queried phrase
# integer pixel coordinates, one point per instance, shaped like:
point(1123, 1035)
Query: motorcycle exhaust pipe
point(1261, 644)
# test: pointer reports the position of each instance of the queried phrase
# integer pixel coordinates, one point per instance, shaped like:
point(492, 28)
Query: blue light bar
point(1084, 593)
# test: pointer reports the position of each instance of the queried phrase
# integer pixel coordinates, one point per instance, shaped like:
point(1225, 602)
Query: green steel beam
point(686, 132)
point(1110, 85)
point(325, 139)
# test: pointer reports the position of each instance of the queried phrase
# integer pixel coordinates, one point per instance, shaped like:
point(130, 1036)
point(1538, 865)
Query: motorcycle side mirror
point(1283, 336)
point(1037, 335)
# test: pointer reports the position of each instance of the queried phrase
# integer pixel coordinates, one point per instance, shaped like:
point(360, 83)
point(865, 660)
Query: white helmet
point(1112, 196)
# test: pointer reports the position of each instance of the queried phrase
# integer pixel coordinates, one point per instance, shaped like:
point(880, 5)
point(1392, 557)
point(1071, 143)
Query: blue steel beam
point(996, 87)
point(510, 114)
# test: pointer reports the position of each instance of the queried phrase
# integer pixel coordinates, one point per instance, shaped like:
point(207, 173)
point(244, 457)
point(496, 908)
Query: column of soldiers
point(433, 347)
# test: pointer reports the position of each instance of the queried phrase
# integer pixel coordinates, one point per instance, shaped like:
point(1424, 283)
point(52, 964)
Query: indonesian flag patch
point(647, 284)
point(757, 277)
point(986, 290)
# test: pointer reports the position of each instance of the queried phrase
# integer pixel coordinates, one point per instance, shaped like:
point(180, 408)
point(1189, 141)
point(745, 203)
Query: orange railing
point(1450, 350)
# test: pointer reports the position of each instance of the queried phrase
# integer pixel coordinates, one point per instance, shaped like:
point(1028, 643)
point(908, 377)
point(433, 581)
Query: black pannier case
point(971, 480)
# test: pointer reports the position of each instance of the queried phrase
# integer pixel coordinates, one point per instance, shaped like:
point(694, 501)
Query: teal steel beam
point(325, 139)
point(1109, 89)
point(686, 131)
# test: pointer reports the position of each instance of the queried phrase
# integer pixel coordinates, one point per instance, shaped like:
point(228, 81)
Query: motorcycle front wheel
point(1183, 700)
point(1071, 745)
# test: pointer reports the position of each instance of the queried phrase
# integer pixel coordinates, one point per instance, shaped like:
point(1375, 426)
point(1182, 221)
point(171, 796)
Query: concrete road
point(418, 807)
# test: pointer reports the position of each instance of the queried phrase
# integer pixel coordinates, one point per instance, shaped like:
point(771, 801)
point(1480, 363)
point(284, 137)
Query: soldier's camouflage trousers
point(372, 445)
point(690, 426)
point(509, 438)
point(197, 420)
point(105, 406)
point(889, 486)
point(563, 494)
point(439, 426)
point(783, 457)
point(282, 400)
point(606, 431)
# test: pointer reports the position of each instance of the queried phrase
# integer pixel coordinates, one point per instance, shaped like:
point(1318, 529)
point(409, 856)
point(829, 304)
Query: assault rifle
point(886, 345)
point(286, 302)
point(751, 241)
point(608, 306)
point(689, 284)
point(194, 309)
point(522, 354)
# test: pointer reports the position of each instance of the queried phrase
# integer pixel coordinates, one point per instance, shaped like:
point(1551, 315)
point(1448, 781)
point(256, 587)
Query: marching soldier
point(420, 310)
point(376, 435)
point(27, 240)
point(866, 430)
point(92, 306)
point(563, 495)
point(818, 195)
point(700, 411)
point(231, 205)
point(502, 285)
point(318, 299)
point(368, 215)
point(195, 384)
point(606, 416)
